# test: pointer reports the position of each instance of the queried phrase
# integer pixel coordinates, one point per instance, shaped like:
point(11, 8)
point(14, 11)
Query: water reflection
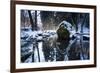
point(50, 48)
point(66, 50)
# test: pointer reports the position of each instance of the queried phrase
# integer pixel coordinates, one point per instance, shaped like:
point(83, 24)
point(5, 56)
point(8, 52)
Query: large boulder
point(63, 33)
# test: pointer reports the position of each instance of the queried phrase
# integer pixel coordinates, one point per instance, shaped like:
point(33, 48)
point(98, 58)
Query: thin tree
point(35, 24)
point(34, 27)
point(31, 20)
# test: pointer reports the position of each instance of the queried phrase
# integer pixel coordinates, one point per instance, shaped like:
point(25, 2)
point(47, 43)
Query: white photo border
point(20, 65)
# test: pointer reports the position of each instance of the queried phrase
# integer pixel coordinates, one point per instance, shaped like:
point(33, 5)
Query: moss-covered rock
point(63, 34)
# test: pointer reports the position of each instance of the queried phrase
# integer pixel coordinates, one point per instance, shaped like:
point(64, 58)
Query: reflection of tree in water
point(48, 50)
point(74, 52)
point(61, 50)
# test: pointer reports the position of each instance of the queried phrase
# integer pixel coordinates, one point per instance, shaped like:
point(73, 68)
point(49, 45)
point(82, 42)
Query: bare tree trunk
point(31, 20)
point(35, 25)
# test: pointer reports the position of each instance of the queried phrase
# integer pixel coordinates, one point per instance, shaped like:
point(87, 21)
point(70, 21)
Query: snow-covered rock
point(67, 26)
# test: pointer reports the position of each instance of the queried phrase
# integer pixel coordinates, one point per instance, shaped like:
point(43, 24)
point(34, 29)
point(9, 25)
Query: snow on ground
point(42, 59)
point(36, 55)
